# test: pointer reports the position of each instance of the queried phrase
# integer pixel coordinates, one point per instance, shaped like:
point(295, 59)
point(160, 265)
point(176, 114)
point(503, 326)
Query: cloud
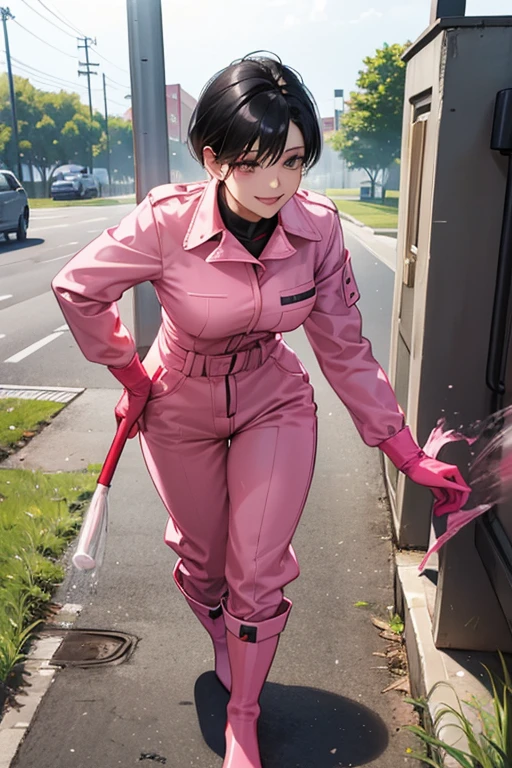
point(318, 10)
point(277, 3)
point(291, 21)
point(367, 16)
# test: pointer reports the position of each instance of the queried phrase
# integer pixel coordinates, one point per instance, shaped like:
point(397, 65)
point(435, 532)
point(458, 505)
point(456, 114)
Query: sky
point(325, 40)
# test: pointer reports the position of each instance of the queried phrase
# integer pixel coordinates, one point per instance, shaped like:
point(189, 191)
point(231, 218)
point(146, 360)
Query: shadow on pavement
point(300, 727)
point(14, 245)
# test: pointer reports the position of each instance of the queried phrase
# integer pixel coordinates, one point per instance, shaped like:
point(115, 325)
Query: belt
point(194, 364)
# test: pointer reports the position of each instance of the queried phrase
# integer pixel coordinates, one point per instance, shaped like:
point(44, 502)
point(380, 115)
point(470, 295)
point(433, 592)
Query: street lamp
point(339, 94)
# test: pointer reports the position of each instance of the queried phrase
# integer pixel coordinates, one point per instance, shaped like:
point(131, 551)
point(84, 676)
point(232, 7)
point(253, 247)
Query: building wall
point(180, 106)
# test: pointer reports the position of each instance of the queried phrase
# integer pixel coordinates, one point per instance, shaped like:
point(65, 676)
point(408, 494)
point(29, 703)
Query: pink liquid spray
point(490, 470)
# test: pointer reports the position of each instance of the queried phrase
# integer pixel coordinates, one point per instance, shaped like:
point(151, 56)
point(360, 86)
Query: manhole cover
point(87, 647)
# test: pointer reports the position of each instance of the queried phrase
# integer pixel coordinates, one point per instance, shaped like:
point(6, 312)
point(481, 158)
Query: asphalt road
point(35, 346)
point(323, 706)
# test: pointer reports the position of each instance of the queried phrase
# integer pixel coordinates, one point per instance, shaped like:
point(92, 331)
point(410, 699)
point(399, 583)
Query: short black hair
point(254, 98)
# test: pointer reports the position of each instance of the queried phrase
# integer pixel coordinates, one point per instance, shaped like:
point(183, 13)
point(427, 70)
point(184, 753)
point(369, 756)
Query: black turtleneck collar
point(253, 235)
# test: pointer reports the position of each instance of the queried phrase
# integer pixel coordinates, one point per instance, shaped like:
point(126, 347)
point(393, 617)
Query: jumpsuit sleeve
point(92, 282)
point(334, 330)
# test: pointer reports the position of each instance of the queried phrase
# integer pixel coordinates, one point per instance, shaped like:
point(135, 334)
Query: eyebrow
point(291, 149)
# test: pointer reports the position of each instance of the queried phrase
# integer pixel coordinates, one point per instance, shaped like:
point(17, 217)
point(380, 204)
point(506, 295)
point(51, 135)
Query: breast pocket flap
point(295, 298)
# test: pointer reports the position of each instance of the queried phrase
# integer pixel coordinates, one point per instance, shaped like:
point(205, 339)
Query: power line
point(64, 31)
point(125, 87)
point(109, 62)
point(62, 19)
point(60, 80)
point(41, 81)
point(119, 104)
point(44, 41)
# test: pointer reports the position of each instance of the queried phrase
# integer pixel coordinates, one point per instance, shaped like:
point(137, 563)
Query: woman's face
point(258, 191)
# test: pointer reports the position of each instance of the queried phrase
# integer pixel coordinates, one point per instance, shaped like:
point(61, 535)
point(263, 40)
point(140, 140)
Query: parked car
point(14, 210)
point(73, 183)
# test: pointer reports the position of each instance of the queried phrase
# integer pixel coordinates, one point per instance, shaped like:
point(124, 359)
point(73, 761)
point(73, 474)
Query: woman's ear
point(214, 168)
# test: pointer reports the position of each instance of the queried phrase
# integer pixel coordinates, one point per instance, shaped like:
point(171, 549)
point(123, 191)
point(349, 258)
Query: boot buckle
point(248, 634)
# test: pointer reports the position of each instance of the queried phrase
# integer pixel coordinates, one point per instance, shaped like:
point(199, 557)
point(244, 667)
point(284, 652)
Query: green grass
point(374, 215)
point(490, 743)
point(390, 194)
point(46, 202)
point(342, 192)
point(39, 515)
point(26, 416)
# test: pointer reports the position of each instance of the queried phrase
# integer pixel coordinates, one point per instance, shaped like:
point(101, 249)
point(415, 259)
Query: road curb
point(378, 231)
point(17, 720)
point(347, 217)
point(429, 665)
point(53, 394)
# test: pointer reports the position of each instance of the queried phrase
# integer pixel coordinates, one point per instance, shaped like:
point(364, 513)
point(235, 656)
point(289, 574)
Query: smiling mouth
point(269, 200)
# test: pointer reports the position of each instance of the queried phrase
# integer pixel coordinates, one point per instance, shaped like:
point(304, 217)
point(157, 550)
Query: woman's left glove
point(444, 480)
point(137, 386)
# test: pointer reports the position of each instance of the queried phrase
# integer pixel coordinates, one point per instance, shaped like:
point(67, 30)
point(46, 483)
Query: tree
point(5, 137)
point(370, 134)
point(121, 148)
point(54, 128)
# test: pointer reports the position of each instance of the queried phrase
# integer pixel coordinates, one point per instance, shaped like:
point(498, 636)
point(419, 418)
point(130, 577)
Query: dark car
point(14, 210)
point(73, 182)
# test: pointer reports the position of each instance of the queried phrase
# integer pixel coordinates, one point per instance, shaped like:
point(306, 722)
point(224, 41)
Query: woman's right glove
point(137, 388)
point(444, 480)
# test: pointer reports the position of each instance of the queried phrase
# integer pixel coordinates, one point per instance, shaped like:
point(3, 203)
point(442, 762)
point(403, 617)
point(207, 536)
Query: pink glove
point(137, 386)
point(444, 480)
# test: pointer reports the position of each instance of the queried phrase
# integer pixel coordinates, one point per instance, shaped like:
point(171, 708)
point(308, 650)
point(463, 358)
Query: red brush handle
point(114, 453)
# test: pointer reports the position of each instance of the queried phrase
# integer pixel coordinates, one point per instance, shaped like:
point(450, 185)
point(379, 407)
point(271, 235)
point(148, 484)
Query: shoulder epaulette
point(166, 191)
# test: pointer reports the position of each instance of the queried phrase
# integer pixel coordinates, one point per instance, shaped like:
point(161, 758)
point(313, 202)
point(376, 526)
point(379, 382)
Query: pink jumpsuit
point(230, 427)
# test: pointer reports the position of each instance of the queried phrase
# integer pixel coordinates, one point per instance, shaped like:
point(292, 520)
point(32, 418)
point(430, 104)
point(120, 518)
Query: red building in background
point(180, 106)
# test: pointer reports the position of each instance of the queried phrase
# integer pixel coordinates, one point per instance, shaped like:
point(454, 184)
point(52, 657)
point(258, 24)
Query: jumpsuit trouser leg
point(235, 485)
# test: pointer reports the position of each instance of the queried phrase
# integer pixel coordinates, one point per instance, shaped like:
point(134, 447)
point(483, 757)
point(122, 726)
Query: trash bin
point(365, 191)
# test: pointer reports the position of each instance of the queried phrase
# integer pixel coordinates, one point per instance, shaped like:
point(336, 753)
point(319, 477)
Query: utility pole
point(6, 14)
point(88, 72)
point(150, 136)
point(106, 129)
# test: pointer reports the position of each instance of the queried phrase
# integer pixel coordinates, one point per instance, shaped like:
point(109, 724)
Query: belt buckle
point(218, 365)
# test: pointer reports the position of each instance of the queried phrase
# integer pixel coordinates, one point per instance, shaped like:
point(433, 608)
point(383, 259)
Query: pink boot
point(251, 650)
point(212, 620)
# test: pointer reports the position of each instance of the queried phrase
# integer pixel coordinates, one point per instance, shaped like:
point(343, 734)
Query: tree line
point(55, 129)
point(370, 133)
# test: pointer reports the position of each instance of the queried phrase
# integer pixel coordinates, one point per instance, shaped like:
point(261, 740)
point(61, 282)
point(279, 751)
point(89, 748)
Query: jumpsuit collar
point(207, 222)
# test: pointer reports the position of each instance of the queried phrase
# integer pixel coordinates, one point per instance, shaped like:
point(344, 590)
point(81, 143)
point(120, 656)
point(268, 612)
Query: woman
point(225, 409)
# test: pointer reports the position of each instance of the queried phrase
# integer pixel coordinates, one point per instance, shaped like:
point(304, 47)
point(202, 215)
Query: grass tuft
point(40, 514)
point(22, 419)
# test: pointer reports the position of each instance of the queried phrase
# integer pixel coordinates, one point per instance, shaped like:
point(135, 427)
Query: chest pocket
point(295, 304)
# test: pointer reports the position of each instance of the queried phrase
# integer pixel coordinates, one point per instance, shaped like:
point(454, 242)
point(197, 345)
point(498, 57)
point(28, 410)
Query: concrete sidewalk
point(381, 246)
point(323, 704)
